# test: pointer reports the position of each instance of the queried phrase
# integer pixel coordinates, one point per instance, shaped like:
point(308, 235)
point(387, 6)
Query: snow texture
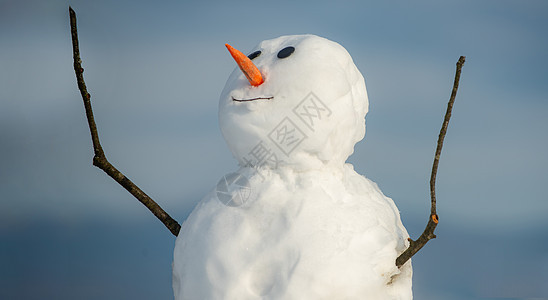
point(295, 221)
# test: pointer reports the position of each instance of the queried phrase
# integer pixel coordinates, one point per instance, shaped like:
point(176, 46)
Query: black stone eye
point(285, 52)
point(254, 54)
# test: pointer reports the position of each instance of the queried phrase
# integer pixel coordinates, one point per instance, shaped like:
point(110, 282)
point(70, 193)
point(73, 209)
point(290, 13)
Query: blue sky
point(155, 72)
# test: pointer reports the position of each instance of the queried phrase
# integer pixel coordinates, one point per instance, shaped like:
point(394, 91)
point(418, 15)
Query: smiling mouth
point(252, 99)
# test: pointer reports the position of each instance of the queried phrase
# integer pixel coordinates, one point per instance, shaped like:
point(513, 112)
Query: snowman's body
point(295, 222)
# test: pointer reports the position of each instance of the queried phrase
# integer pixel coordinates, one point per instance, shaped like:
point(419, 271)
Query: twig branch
point(99, 159)
point(428, 233)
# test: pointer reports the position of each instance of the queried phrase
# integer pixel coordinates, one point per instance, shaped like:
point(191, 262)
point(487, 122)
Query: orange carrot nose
point(247, 66)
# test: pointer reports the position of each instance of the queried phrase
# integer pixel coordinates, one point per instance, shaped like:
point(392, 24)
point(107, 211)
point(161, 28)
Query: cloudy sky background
point(155, 72)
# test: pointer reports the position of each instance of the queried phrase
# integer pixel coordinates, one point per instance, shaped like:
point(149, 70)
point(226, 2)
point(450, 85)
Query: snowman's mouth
point(252, 99)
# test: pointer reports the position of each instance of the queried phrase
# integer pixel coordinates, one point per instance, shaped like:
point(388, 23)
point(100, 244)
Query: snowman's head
point(304, 106)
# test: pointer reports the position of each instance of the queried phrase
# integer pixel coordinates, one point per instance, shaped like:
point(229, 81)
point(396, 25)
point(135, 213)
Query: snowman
point(295, 221)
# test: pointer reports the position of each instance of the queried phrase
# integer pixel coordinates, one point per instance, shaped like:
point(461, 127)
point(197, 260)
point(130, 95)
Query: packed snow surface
point(295, 221)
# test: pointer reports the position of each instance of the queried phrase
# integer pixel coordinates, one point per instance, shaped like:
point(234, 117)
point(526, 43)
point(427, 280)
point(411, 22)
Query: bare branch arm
point(99, 159)
point(428, 233)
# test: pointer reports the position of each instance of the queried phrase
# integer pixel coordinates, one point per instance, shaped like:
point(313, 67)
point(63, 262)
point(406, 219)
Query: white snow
point(318, 68)
point(295, 221)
